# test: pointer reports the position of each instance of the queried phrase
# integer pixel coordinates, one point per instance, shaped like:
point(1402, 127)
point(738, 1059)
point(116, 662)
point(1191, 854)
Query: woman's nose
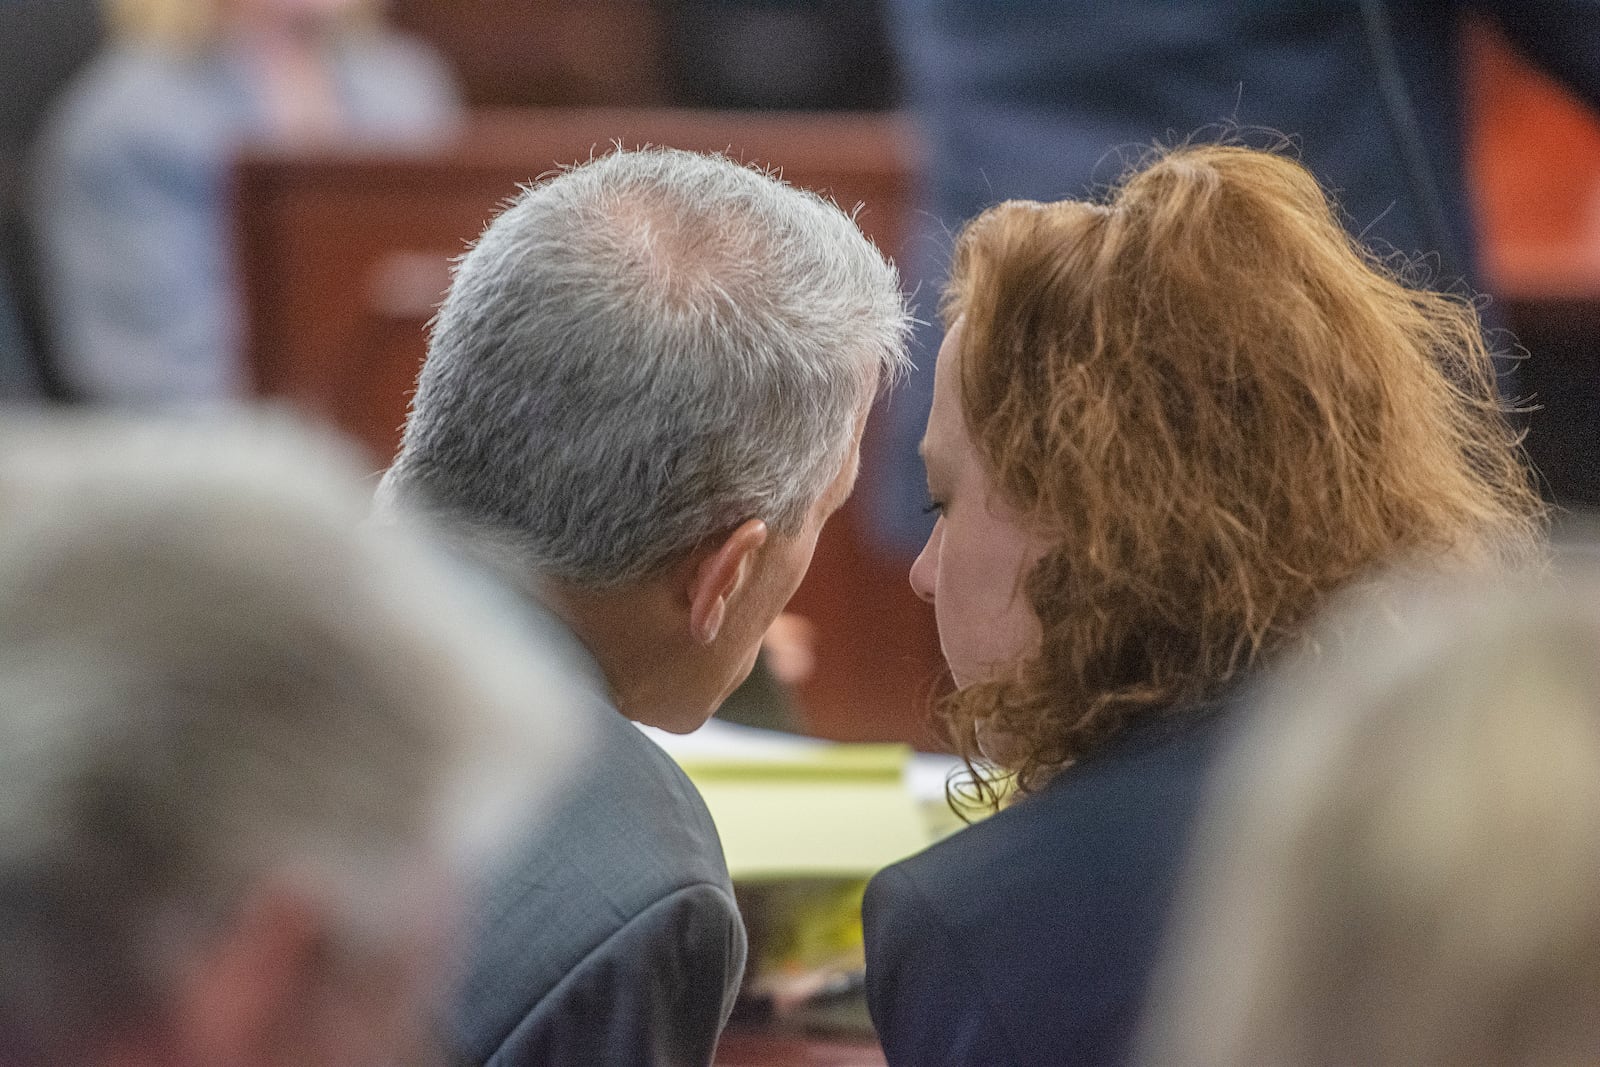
point(925, 571)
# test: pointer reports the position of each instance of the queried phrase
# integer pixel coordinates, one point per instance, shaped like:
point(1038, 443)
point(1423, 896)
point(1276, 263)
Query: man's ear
point(719, 574)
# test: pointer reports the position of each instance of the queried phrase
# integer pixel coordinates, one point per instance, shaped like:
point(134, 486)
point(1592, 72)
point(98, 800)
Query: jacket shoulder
point(656, 990)
point(623, 889)
point(1049, 912)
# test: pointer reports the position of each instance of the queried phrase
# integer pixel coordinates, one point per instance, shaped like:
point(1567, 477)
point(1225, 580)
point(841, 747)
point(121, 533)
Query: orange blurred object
point(1534, 154)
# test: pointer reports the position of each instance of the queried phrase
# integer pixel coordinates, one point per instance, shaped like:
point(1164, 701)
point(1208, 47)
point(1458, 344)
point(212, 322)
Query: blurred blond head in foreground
point(1400, 860)
point(247, 744)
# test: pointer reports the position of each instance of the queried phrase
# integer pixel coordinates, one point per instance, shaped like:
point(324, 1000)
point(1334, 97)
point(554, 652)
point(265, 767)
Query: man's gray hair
point(214, 675)
point(643, 352)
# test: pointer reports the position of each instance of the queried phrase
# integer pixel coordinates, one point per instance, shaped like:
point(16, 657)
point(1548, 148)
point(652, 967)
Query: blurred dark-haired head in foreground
point(247, 743)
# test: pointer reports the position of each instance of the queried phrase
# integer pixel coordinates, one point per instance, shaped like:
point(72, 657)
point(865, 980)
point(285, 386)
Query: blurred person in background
point(1044, 101)
point(643, 398)
point(1396, 861)
point(250, 747)
point(132, 211)
point(1167, 427)
point(42, 44)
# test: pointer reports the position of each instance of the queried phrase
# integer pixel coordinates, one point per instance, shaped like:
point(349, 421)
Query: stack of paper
point(794, 807)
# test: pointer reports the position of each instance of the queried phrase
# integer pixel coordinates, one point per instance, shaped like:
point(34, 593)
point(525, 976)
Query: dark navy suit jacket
point(1027, 939)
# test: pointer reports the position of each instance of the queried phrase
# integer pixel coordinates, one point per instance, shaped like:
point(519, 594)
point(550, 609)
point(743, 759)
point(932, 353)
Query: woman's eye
point(934, 507)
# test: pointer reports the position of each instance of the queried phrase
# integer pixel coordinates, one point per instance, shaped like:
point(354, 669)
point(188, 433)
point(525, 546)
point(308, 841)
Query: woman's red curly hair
point(1218, 409)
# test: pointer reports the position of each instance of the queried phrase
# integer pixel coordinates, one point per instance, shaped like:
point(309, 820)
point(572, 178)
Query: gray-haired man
point(645, 391)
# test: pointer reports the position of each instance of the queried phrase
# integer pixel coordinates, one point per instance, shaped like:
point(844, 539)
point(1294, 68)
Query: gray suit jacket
point(612, 938)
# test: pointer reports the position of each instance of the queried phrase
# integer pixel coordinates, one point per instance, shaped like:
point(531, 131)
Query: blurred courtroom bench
point(345, 256)
point(806, 55)
point(512, 53)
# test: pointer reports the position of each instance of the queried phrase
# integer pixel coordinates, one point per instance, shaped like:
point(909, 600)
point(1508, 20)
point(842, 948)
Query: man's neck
point(634, 636)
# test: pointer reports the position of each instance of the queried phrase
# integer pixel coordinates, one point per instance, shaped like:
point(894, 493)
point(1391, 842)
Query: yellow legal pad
point(799, 808)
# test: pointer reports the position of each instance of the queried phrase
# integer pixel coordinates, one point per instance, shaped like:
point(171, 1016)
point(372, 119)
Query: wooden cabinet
point(513, 53)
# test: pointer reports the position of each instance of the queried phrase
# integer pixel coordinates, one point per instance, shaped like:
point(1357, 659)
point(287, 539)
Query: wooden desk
point(746, 1049)
point(345, 257)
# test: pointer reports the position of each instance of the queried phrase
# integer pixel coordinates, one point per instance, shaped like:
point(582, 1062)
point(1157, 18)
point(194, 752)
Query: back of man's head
point(640, 354)
point(219, 689)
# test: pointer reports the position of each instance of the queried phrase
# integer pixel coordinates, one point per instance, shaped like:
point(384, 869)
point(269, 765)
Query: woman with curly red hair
point(1166, 429)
